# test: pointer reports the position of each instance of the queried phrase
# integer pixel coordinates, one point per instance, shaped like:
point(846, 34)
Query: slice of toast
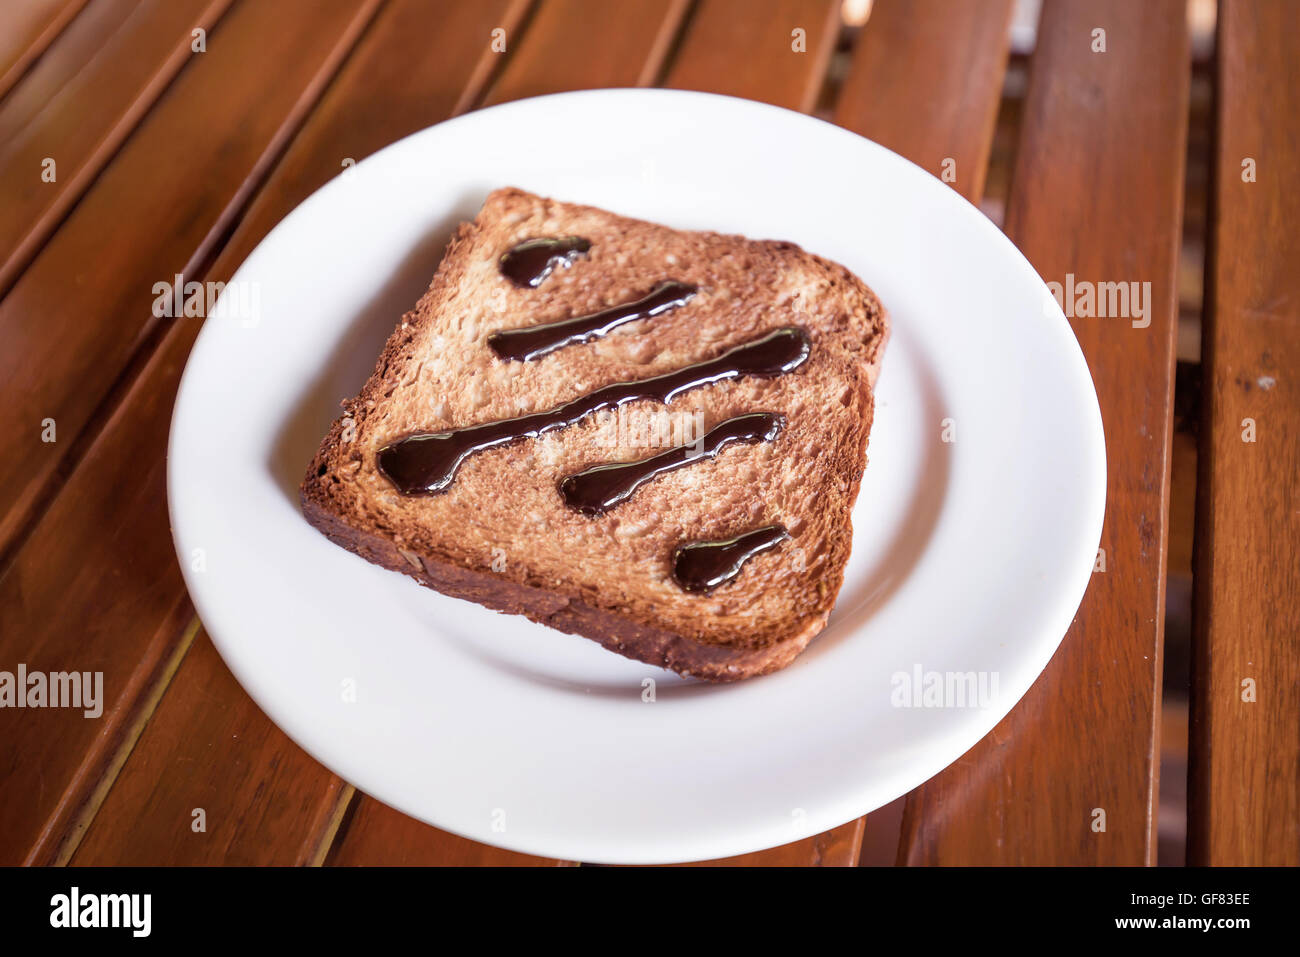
point(407, 478)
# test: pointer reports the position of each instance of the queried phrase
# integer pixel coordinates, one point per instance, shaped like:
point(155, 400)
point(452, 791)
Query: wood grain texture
point(96, 587)
point(580, 44)
point(84, 307)
point(925, 81)
point(78, 104)
point(1244, 799)
point(27, 28)
point(208, 749)
point(385, 67)
point(1097, 192)
point(747, 48)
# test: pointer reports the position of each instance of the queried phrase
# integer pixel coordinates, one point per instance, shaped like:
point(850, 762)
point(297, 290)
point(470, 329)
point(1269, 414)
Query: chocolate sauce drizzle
point(596, 490)
point(533, 342)
point(703, 566)
point(529, 263)
point(426, 463)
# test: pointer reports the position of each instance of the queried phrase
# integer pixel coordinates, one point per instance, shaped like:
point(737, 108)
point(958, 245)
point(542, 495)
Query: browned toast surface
point(502, 534)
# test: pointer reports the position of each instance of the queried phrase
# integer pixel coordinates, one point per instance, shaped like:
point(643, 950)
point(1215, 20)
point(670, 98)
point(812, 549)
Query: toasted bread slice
point(499, 530)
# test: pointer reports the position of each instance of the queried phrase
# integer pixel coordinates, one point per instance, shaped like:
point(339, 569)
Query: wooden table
point(133, 148)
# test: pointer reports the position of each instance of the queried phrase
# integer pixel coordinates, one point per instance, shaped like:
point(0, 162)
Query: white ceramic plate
point(968, 555)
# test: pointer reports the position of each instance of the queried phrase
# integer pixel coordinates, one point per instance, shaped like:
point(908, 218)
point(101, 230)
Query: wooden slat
point(1097, 192)
point(578, 44)
point(79, 103)
point(155, 211)
point(96, 588)
point(418, 90)
point(926, 80)
point(27, 28)
point(1245, 781)
point(375, 834)
point(208, 749)
point(747, 48)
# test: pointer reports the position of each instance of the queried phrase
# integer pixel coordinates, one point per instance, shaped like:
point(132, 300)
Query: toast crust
point(752, 627)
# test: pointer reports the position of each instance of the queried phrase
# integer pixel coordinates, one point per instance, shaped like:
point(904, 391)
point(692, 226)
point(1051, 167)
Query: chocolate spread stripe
point(533, 342)
point(426, 463)
point(529, 263)
point(596, 490)
point(703, 566)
